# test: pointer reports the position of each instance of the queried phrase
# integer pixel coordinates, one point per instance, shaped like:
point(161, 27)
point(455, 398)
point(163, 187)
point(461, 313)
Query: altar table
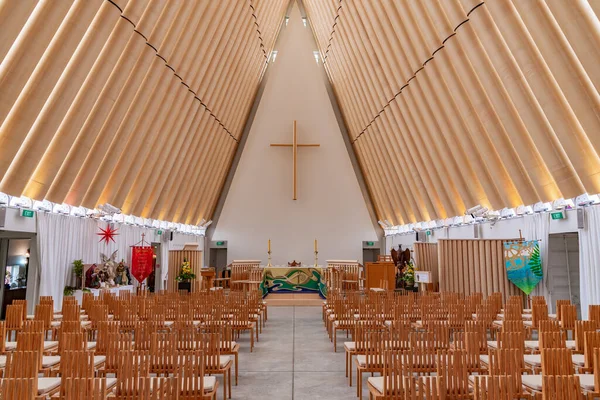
point(293, 280)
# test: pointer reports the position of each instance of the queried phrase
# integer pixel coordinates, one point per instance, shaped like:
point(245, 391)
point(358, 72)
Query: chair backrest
point(581, 327)
point(83, 388)
point(539, 312)
point(117, 343)
point(19, 388)
point(189, 368)
point(559, 304)
point(452, 367)
point(24, 304)
point(494, 388)
point(31, 341)
point(2, 337)
point(77, 364)
point(557, 362)
point(396, 366)
point(507, 362)
point(44, 312)
point(511, 340)
point(71, 341)
point(568, 316)
point(594, 312)
point(14, 317)
point(592, 342)
point(425, 388)
point(163, 351)
point(561, 387)
point(22, 364)
point(132, 365)
point(552, 340)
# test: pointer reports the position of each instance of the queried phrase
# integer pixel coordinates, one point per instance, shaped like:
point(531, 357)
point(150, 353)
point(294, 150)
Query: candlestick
point(269, 249)
point(316, 258)
point(316, 247)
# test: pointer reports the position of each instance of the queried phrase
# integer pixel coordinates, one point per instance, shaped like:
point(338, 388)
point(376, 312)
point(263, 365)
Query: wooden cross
point(294, 145)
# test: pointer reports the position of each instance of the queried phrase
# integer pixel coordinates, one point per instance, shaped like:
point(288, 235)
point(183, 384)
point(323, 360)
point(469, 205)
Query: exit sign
point(159, 232)
point(428, 233)
point(27, 213)
point(558, 215)
point(370, 243)
point(221, 243)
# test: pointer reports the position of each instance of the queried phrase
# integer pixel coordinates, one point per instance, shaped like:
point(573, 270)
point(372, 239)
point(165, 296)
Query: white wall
point(11, 220)
point(330, 205)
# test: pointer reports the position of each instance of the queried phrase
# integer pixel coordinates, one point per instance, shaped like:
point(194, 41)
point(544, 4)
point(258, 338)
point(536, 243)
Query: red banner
point(141, 262)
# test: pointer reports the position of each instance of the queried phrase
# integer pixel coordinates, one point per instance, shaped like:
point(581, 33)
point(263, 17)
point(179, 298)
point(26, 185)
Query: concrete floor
point(293, 360)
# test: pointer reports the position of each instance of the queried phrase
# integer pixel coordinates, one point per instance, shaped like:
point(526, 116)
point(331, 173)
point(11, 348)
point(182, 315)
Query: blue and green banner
point(293, 280)
point(523, 262)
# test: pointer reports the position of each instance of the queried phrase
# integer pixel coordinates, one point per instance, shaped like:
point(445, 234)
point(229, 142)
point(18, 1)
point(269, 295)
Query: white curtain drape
point(537, 227)
point(589, 259)
point(63, 239)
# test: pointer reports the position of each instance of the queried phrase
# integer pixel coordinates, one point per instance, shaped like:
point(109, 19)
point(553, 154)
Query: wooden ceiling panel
point(450, 104)
point(138, 103)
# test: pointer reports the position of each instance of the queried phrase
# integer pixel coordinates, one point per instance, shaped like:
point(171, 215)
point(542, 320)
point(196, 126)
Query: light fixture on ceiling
point(541, 207)
point(587, 200)
point(507, 213)
point(524, 210)
point(4, 199)
point(44, 206)
point(109, 209)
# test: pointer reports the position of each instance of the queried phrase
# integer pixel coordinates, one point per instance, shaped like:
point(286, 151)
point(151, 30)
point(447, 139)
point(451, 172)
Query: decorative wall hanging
point(523, 264)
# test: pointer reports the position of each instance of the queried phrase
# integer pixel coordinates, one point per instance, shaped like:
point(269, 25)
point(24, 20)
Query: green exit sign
point(27, 213)
point(159, 232)
point(370, 243)
point(558, 215)
point(221, 243)
point(428, 233)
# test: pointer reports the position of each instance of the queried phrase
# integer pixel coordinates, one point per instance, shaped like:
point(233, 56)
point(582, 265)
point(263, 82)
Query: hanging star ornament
point(107, 234)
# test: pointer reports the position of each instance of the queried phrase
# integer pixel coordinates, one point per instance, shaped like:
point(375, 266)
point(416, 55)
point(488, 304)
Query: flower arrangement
point(185, 273)
point(408, 274)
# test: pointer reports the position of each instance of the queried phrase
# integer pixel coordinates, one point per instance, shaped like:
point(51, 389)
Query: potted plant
point(78, 271)
point(408, 275)
point(185, 276)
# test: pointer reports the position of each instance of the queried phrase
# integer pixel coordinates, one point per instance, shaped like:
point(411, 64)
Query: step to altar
point(294, 299)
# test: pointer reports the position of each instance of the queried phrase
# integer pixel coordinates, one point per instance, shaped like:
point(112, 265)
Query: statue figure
point(123, 277)
point(92, 280)
point(106, 272)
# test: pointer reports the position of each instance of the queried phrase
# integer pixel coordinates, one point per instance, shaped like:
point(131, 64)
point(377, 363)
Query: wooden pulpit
point(381, 274)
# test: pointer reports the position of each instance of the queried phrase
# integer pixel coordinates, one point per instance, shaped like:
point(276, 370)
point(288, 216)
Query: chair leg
point(236, 369)
point(224, 385)
point(229, 380)
point(335, 340)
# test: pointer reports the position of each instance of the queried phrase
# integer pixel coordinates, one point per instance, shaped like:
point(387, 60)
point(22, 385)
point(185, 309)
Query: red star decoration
point(107, 234)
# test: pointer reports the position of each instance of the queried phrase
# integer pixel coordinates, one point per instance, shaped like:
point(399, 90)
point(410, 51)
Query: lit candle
point(269, 245)
point(315, 245)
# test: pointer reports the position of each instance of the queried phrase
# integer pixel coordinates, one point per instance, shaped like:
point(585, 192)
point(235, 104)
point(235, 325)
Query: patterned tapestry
point(523, 264)
point(293, 280)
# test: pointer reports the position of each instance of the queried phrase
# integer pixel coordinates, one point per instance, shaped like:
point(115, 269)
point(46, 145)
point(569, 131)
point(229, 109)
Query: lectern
point(381, 274)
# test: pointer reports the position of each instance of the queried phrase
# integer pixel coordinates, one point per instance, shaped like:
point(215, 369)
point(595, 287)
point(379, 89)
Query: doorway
point(563, 269)
point(218, 259)
point(14, 261)
point(152, 283)
point(370, 255)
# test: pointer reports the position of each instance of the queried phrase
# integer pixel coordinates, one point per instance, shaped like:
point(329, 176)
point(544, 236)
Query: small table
point(208, 274)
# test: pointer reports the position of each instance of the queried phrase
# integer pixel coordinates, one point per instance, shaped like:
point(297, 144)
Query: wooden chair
point(561, 387)
point(240, 322)
point(453, 368)
point(19, 388)
point(581, 327)
point(14, 319)
point(592, 342)
point(425, 388)
point(117, 343)
point(191, 382)
point(131, 365)
point(494, 388)
point(163, 352)
point(508, 362)
point(214, 362)
point(392, 383)
point(557, 362)
point(568, 316)
point(594, 312)
point(150, 388)
point(83, 388)
point(372, 360)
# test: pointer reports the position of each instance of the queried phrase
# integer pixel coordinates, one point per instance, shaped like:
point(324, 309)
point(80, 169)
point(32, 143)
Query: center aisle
point(293, 360)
